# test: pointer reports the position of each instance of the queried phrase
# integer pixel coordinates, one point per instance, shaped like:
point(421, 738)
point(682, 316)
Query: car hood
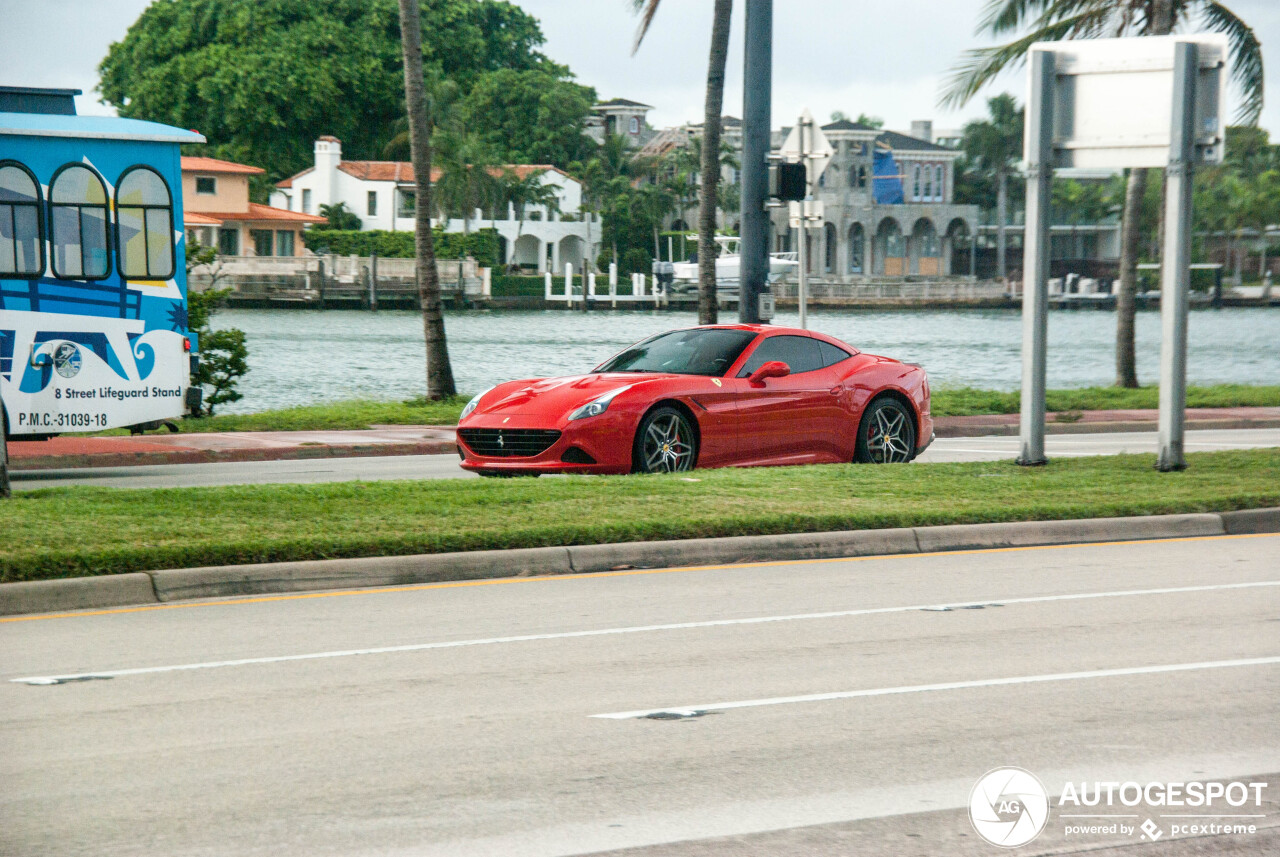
point(556, 396)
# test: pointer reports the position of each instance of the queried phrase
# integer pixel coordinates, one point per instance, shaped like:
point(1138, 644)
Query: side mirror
point(772, 369)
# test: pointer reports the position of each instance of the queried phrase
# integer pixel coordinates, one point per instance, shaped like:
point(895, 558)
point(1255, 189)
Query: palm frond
point(979, 67)
point(646, 9)
point(1246, 58)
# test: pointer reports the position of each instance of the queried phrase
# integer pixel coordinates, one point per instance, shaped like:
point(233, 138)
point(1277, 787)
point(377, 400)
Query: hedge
point(481, 244)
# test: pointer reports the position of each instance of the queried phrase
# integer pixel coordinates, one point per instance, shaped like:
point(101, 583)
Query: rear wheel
point(887, 433)
point(665, 443)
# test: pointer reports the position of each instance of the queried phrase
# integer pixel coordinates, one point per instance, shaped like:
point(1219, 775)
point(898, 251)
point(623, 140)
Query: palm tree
point(440, 383)
point(529, 191)
point(468, 178)
point(1055, 20)
point(710, 150)
point(995, 145)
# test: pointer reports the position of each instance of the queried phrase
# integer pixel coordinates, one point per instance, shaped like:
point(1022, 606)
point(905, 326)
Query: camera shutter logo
point(1009, 807)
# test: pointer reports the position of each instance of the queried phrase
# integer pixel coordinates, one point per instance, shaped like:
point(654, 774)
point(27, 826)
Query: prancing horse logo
point(501, 443)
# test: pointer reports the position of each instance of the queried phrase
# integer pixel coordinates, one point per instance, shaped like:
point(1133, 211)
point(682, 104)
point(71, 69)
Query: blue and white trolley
point(93, 292)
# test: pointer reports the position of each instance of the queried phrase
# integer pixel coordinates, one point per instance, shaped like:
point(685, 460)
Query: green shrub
point(481, 244)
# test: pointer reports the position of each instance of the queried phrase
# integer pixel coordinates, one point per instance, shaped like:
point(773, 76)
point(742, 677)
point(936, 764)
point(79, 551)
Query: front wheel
point(887, 433)
point(665, 443)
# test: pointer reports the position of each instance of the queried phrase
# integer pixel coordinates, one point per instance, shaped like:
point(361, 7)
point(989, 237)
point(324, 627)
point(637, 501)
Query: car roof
point(774, 329)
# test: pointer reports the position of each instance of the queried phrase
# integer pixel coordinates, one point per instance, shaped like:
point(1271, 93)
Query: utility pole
point(756, 126)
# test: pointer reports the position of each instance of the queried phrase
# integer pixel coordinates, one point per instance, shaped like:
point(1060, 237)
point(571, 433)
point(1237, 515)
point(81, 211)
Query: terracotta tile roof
point(266, 212)
point(289, 181)
point(213, 165)
point(194, 218)
point(402, 171)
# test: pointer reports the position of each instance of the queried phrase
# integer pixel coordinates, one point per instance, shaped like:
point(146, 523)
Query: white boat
point(728, 267)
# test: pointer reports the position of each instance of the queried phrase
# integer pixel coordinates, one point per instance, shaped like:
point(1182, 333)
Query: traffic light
point(788, 182)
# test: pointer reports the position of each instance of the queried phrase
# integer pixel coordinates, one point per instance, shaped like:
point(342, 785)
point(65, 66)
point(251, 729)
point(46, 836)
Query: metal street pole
point(1035, 261)
point(1175, 274)
point(756, 106)
point(803, 288)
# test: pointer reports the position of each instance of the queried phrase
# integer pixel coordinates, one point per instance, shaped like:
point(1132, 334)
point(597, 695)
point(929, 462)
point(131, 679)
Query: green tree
point(530, 116)
point(224, 355)
point(1079, 202)
point(263, 79)
point(530, 190)
point(869, 121)
point(339, 216)
point(469, 174)
point(710, 167)
point(440, 382)
point(993, 146)
point(1055, 20)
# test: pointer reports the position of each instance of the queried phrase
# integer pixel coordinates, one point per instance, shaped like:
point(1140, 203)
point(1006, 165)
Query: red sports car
point(723, 395)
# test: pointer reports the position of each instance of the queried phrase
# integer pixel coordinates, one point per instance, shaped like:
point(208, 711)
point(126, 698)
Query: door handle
point(835, 391)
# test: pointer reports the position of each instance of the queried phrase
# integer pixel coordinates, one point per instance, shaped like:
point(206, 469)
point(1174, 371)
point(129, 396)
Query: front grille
point(508, 443)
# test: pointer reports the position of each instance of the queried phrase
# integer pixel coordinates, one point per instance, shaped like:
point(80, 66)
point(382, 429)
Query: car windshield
point(682, 352)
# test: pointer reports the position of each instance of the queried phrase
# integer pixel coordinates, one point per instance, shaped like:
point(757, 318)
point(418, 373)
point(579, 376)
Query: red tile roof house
point(218, 212)
point(381, 194)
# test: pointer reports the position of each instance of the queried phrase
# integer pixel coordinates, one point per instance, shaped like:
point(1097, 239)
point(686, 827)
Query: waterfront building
point(620, 116)
point(381, 194)
point(219, 214)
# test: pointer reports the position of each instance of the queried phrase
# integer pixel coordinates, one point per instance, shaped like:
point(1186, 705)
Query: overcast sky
point(884, 59)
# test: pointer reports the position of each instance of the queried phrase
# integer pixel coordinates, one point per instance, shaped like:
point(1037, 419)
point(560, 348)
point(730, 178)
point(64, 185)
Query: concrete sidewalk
point(70, 452)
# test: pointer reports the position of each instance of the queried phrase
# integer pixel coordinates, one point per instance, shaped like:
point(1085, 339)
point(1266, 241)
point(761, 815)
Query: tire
point(664, 443)
point(886, 434)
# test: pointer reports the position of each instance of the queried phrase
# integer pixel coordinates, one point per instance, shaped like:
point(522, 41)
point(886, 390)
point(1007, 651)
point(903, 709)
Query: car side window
point(800, 353)
point(832, 354)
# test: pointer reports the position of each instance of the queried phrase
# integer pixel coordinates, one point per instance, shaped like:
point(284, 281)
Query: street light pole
point(756, 122)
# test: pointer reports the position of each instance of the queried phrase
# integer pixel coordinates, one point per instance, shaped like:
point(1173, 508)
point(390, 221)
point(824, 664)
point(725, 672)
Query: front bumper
point(599, 444)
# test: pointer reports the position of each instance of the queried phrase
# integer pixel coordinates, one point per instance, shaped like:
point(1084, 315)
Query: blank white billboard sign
point(1113, 100)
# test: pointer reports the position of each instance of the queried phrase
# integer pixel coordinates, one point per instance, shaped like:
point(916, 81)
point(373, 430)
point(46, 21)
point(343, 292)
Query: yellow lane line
point(503, 581)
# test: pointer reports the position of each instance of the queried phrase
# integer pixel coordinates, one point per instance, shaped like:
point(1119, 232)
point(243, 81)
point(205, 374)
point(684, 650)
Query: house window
point(206, 184)
point(144, 225)
point(928, 182)
point(306, 201)
point(21, 226)
point(78, 211)
point(939, 183)
point(229, 242)
point(407, 207)
point(261, 241)
point(915, 183)
point(635, 125)
point(371, 206)
point(284, 243)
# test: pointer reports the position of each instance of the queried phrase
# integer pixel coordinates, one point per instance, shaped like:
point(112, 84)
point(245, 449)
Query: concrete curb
point(212, 456)
point(1100, 427)
point(317, 575)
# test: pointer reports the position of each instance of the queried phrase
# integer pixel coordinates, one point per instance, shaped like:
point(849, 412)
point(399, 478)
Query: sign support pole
point(756, 109)
point(1175, 274)
point(1035, 265)
point(803, 286)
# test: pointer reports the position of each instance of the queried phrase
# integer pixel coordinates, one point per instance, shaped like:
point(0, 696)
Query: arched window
point(928, 182)
point(855, 249)
point(78, 212)
point(21, 226)
point(915, 193)
point(862, 176)
point(635, 125)
point(144, 225)
point(853, 175)
point(938, 183)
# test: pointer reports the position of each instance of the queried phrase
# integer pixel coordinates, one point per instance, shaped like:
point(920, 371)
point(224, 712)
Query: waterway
point(298, 357)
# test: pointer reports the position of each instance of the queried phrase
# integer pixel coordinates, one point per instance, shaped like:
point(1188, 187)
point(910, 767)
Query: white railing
point(577, 288)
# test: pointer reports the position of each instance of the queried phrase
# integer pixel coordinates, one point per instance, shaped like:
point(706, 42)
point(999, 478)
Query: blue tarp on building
point(886, 184)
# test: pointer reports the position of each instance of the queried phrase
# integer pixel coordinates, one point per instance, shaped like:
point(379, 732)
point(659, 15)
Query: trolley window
point(21, 226)
point(144, 225)
point(78, 212)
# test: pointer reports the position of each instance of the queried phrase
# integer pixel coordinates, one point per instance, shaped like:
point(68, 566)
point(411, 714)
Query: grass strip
point(358, 414)
point(75, 531)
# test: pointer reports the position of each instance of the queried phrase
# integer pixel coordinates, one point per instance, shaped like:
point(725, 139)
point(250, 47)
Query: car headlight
point(471, 405)
point(597, 407)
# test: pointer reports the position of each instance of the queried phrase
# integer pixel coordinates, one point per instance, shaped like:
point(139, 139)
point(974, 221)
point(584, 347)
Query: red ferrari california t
point(722, 395)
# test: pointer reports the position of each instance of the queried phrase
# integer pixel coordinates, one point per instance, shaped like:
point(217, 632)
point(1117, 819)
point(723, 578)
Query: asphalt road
point(446, 466)
point(837, 708)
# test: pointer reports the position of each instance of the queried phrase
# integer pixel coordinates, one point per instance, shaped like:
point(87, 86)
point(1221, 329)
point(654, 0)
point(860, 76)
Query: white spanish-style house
point(381, 194)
